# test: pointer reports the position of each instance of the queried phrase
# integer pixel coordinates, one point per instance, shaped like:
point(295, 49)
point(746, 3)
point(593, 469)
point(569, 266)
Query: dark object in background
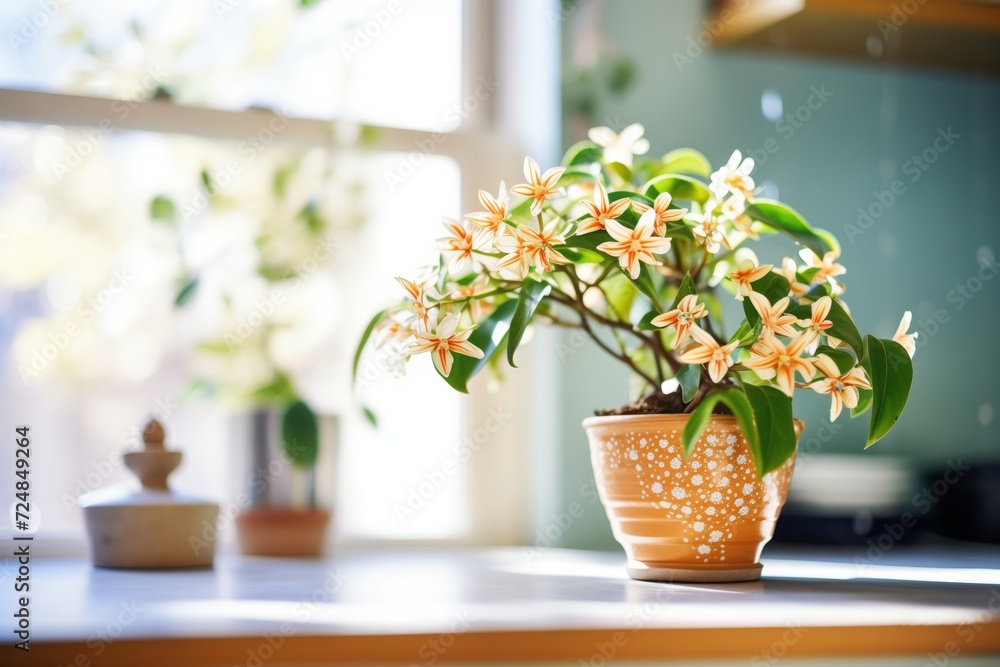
point(970, 508)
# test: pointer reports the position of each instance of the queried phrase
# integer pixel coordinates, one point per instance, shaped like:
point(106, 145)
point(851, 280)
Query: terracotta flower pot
point(703, 519)
point(281, 531)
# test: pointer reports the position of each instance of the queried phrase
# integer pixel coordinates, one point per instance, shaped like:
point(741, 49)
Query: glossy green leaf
point(773, 286)
point(747, 333)
point(844, 360)
point(583, 255)
point(582, 152)
point(359, 350)
point(620, 170)
point(645, 322)
point(687, 161)
point(686, 288)
point(787, 220)
point(864, 403)
point(891, 373)
point(489, 336)
point(679, 187)
point(772, 413)
point(572, 176)
point(736, 402)
point(844, 328)
point(689, 377)
point(531, 294)
point(644, 283)
point(300, 435)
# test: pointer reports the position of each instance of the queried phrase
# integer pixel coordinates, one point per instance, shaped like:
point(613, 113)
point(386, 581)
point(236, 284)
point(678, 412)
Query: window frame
point(506, 500)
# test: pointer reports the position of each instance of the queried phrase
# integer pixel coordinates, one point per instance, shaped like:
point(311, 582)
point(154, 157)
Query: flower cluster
point(601, 243)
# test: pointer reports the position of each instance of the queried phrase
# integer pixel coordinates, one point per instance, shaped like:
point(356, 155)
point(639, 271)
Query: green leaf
point(891, 373)
point(845, 360)
point(679, 187)
point(572, 176)
point(864, 402)
point(645, 323)
point(582, 152)
point(583, 256)
point(521, 214)
point(787, 220)
point(186, 292)
point(689, 377)
point(747, 333)
point(163, 209)
point(686, 288)
point(370, 415)
point(620, 170)
point(489, 337)
point(644, 283)
point(531, 294)
point(773, 286)
point(772, 414)
point(844, 328)
point(687, 161)
point(737, 402)
point(300, 435)
point(364, 341)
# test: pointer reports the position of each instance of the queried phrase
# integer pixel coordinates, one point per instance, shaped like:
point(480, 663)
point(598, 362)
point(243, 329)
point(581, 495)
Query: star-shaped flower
point(601, 210)
point(443, 341)
point(539, 186)
point(842, 387)
point(747, 273)
point(773, 360)
point(632, 246)
point(490, 223)
point(664, 214)
point(706, 350)
point(620, 147)
point(683, 317)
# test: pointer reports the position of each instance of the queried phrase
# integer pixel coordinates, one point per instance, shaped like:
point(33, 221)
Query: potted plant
point(257, 290)
point(639, 254)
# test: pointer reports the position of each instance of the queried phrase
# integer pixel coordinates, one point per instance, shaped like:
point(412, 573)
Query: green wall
point(857, 142)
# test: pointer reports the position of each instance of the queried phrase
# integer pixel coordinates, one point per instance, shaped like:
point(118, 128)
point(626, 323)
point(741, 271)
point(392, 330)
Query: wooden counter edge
point(529, 646)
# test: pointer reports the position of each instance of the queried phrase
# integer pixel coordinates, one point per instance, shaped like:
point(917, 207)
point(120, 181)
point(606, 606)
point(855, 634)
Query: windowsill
point(505, 604)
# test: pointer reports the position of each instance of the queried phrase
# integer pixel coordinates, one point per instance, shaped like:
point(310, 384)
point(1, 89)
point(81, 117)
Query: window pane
point(385, 63)
point(288, 253)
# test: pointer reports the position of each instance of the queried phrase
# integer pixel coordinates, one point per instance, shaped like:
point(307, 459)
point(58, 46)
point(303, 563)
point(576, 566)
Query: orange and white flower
point(525, 246)
point(827, 265)
point(518, 253)
point(539, 186)
point(686, 314)
point(817, 323)
point(774, 318)
point(490, 223)
point(708, 233)
point(479, 306)
point(748, 272)
point(457, 247)
point(843, 388)
point(601, 210)
point(443, 341)
point(734, 177)
point(419, 302)
point(771, 359)
point(393, 329)
point(907, 340)
point(632, 246)
point(788, 270)
point(620, 147)
point(664, 214)
point(706, 350)
point(542, 244)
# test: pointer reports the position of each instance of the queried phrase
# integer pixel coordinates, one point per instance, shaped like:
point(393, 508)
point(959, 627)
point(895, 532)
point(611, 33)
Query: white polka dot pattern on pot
point(714, 493)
